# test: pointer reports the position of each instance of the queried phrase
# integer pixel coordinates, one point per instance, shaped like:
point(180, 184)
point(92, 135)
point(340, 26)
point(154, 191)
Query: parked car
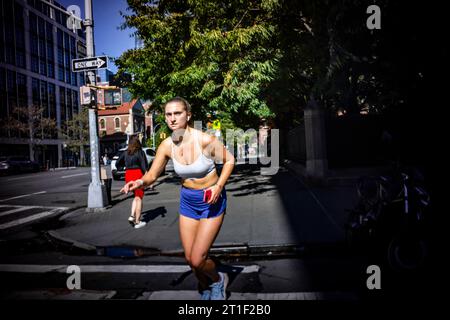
point(119, 173)
point(15, 164)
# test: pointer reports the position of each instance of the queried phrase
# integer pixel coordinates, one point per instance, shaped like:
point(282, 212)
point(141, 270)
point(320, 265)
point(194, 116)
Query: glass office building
point(36, 81)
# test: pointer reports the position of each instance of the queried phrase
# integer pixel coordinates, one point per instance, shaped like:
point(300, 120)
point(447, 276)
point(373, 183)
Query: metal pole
point(97, 197)
point(153, 134)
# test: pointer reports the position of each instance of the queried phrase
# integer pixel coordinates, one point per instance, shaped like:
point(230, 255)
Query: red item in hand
point(207, 195)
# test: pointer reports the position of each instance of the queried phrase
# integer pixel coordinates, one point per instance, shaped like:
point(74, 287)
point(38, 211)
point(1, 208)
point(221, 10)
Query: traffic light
point(112, 97)
point(88, 96)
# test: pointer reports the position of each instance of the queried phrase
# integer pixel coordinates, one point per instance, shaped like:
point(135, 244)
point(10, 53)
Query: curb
point(221, 251)
point(80, 245)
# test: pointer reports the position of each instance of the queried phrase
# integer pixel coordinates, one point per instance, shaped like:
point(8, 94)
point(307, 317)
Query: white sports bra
point(200, 168)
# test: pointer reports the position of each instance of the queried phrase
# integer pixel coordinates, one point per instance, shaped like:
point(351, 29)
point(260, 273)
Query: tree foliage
point(247, 60)
point(75, 132)
point(30, 122)
point(217, 54)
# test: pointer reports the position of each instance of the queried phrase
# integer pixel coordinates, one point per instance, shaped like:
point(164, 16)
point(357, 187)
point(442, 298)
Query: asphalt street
point(293, 235)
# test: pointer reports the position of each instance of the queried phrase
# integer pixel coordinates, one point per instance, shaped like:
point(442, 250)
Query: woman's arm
point(143, 162)
point(219, 153)
point(158, 165)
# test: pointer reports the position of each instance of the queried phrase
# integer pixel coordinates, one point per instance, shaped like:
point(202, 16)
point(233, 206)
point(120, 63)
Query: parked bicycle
point(391, 218)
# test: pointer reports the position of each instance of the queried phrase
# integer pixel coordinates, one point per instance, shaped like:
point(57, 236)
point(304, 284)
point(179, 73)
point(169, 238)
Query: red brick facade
point(110, 127)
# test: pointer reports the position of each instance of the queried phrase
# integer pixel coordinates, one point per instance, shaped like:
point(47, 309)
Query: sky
point(108, 39)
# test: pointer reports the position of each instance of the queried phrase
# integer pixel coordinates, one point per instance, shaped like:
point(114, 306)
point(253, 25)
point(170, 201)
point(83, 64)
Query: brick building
point(117, 124)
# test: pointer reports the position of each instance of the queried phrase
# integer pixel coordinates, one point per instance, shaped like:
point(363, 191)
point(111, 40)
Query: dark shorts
point(192, 205)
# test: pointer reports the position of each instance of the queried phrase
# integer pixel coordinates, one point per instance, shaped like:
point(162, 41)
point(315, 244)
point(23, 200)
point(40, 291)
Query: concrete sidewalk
point(263, 212)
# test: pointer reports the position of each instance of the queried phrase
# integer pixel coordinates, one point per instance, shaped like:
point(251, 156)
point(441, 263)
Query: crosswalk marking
point(22, 196)
point(194, 295)
point(332, 295)
point(17, 209)
point(47, 211)
point(74, 175)
point(34, 268)
point(65, 294)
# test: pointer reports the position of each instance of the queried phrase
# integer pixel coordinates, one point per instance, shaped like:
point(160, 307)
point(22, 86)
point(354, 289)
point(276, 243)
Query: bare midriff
point(201, 183)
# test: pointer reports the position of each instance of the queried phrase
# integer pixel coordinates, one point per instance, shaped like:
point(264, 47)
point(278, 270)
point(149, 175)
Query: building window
point(11, 83)
point(69, 104)
point(44, 97)
point(43, 65)
point(117, 124)
point(49, 31)
point(20, 38)
point(50, 54)
point(50, 69)
point(60, 37)
point(62, 101)
point(52, 100)
point(102, 124)
point(20, 59)
point(18, 14)
point(22, 89)
point(35, 90)
point(34, 44)
point(76, 106)
point(60, 73)
point(34, 64)
point(10, 55)
point(41, 27)
point(68, 75)
point(42, 49)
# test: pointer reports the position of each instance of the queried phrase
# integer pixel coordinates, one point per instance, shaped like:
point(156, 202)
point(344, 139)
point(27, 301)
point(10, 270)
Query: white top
point(200, 168)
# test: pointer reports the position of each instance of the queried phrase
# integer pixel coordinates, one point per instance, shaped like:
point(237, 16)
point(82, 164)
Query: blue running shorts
point(192, 205)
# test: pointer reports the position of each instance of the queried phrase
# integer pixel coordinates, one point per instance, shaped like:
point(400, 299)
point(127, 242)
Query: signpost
point(97, 197)
point(91, 63)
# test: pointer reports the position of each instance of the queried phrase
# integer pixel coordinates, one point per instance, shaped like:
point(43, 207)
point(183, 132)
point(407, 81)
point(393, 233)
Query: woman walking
point(136, 165)
point(203, 198)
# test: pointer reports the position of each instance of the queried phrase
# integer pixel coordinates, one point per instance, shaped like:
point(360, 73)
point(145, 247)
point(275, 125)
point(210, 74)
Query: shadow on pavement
point(152, 214)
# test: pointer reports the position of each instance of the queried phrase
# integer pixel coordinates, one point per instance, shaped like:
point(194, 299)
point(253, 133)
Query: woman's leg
point(188, 230)
point(138, 209)
point(133, 208)
point(204, 238)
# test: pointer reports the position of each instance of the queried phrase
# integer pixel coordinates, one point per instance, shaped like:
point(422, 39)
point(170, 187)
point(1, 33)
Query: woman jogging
point(202, 198)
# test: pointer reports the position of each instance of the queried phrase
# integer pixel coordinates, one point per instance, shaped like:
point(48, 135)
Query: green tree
point(247, 60)
point(75, 132)
point(217, 54)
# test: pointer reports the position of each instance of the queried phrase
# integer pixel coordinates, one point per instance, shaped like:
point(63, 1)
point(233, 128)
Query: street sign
point(81, 49)
point(92, 63)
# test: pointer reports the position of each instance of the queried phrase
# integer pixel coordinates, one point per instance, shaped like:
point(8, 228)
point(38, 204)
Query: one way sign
point(92, 63)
